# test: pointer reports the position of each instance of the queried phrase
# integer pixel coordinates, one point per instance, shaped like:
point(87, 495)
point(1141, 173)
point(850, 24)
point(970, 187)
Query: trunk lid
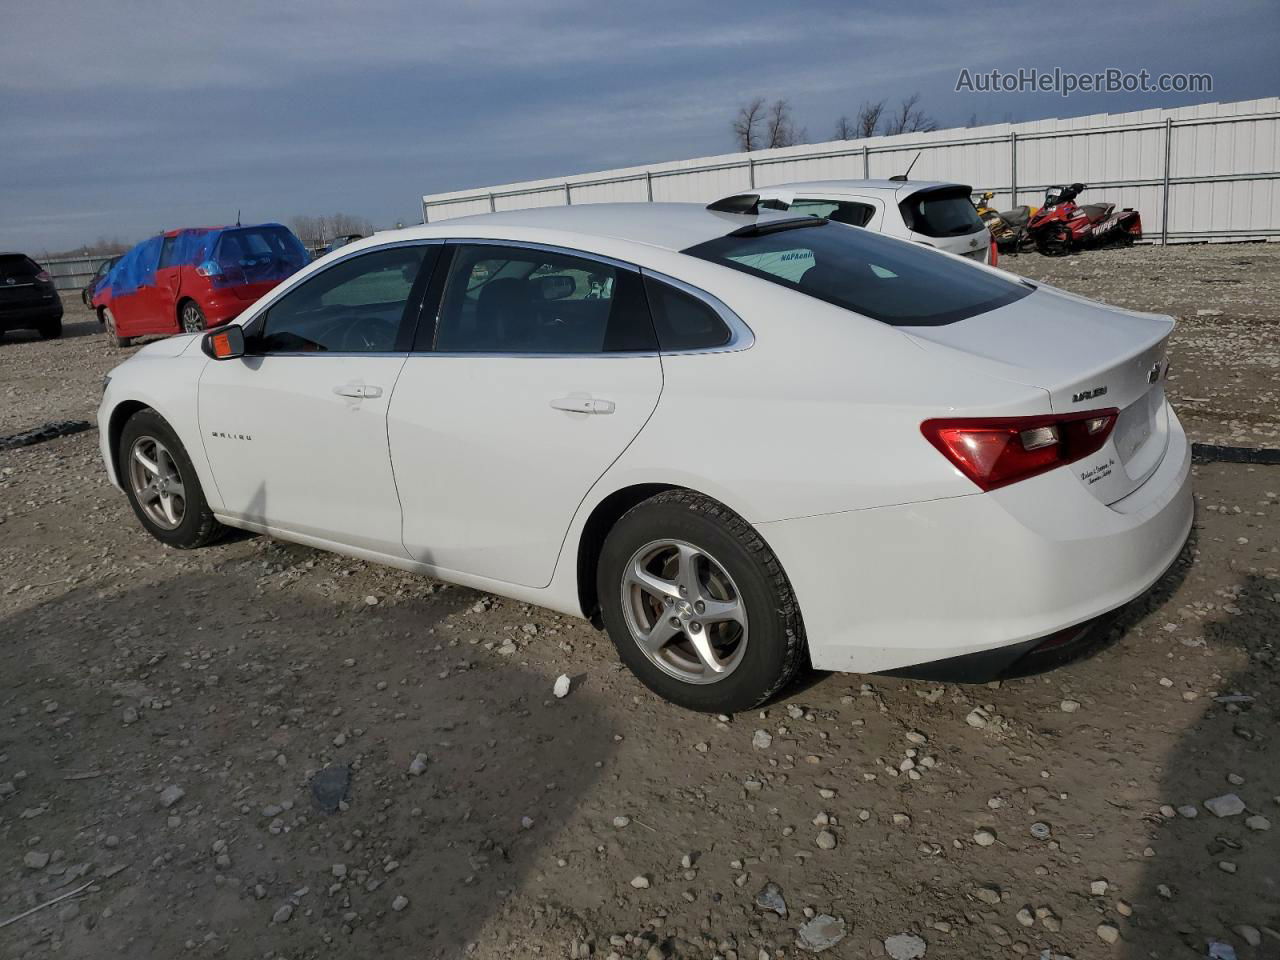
point(1086, 356)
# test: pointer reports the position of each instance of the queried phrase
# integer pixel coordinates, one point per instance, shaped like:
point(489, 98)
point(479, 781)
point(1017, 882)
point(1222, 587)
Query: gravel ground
point(163, 715)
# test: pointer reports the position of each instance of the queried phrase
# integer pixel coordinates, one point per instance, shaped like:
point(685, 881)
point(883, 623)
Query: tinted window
point(16, 265)
point(259, 254)
point(895, 282)
point(519, 300)
point(355, 306)
point(683, 321)
point(941, 214)
point(842, 211)
point(166, 252)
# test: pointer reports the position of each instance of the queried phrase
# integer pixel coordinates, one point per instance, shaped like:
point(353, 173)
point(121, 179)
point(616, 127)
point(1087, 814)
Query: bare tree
point(846, 129)
point(909, 118)
point(746, 126)
point(317, 231)
point(973, 121)
point(780, 128)
point(868, 118)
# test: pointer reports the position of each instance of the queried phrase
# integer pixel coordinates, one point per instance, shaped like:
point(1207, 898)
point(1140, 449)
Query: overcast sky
point(123, 118)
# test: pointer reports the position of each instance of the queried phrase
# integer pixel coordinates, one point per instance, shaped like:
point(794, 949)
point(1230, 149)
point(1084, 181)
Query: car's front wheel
point(162, 485)
point(697, 604)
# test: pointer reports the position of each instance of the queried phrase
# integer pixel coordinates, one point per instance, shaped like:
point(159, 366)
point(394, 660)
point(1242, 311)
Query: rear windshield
point(902, 284)
point(259, 247)
point(17, 265)
point(941, 213)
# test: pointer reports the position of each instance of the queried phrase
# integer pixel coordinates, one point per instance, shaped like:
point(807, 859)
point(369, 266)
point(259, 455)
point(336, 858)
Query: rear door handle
point(358, 390)
point(583, 405)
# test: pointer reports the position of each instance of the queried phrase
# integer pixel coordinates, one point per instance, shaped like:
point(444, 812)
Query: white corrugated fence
point(1205, 172)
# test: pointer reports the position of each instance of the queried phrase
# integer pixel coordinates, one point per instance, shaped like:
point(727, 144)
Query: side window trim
point(741, 336)
point(408, 324)
point(424, 342)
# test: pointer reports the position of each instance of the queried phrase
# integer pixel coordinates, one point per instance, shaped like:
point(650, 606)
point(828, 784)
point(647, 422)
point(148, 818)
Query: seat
point(503, 308)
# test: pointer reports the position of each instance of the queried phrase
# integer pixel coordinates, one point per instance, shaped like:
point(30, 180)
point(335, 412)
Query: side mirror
point(224, 344)
point(557, 287)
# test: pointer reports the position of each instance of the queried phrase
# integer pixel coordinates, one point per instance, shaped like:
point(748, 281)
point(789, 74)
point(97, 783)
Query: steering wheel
point(368, 335)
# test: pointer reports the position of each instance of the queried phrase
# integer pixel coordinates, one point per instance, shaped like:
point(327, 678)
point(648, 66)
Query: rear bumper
point(893, 587)
point(222, 309)
point(27, 316)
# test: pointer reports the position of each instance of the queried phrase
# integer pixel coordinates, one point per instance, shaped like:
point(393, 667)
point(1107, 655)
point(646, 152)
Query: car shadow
point(1185, 897)
point(70, 331)
point(238, 681)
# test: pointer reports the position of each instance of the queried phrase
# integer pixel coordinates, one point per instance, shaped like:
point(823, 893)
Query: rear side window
point(166, 252)
point(682, 320)
point(842, 211)
point(936, 213)
point(895, 282)
point(518, 300)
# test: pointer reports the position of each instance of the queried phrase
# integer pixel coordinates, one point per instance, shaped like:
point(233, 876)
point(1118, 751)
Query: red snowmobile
point(1062, 225)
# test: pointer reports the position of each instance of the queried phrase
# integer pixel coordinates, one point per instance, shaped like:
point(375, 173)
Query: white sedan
point(739, 442)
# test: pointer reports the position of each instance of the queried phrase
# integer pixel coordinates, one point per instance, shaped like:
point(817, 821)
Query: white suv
point(938, 215)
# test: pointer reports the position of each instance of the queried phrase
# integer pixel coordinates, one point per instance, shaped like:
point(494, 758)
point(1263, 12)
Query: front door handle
point(358, 390)
point(583, 405)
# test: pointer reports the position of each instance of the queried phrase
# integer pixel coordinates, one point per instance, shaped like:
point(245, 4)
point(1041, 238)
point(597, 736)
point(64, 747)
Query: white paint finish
point(489, 473)
point(957, 576)
point(317, 462)
point(812, 433)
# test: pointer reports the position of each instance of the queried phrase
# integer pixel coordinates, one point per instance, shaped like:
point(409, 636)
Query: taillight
point(996, 451)
point(43, 276)
point(993, 259)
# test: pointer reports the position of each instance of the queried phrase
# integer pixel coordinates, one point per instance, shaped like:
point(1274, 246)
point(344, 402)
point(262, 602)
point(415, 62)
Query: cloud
point(146, 115)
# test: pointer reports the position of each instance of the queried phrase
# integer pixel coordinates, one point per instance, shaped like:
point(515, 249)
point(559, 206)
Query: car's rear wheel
point(191, 317)
point(162, 485)
point(50, 329)
point(109, 321)
point(697, 604)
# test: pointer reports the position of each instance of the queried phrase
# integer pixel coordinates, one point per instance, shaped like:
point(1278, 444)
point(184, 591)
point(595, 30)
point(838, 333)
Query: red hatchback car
point(188, 280)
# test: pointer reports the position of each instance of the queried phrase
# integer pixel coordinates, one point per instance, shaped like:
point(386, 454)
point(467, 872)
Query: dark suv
point(28, 300)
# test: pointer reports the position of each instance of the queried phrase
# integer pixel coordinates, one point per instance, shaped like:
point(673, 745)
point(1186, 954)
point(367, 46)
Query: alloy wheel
point(157, 483)
point(684, 611)
point(192, 318)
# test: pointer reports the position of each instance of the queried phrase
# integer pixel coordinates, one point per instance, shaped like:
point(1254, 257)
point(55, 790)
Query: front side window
point(895, 282)
point(506, 299)
point(355, 306)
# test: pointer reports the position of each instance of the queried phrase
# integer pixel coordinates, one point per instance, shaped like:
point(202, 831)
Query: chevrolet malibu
point(737, 442)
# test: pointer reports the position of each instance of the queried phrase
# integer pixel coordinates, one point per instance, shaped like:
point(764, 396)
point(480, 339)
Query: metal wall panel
point(1221, 163)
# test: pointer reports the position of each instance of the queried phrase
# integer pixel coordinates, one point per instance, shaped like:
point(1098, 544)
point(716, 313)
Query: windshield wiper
point(777, 226)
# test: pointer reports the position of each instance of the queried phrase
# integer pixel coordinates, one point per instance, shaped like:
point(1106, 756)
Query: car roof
point(670, 226)
point(896, 188)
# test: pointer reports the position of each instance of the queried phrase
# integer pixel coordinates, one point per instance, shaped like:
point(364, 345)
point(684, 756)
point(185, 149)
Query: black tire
point(109, 323)
point(776, 647)
point(50, 329)
point(198, 527)
point(191, 317)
